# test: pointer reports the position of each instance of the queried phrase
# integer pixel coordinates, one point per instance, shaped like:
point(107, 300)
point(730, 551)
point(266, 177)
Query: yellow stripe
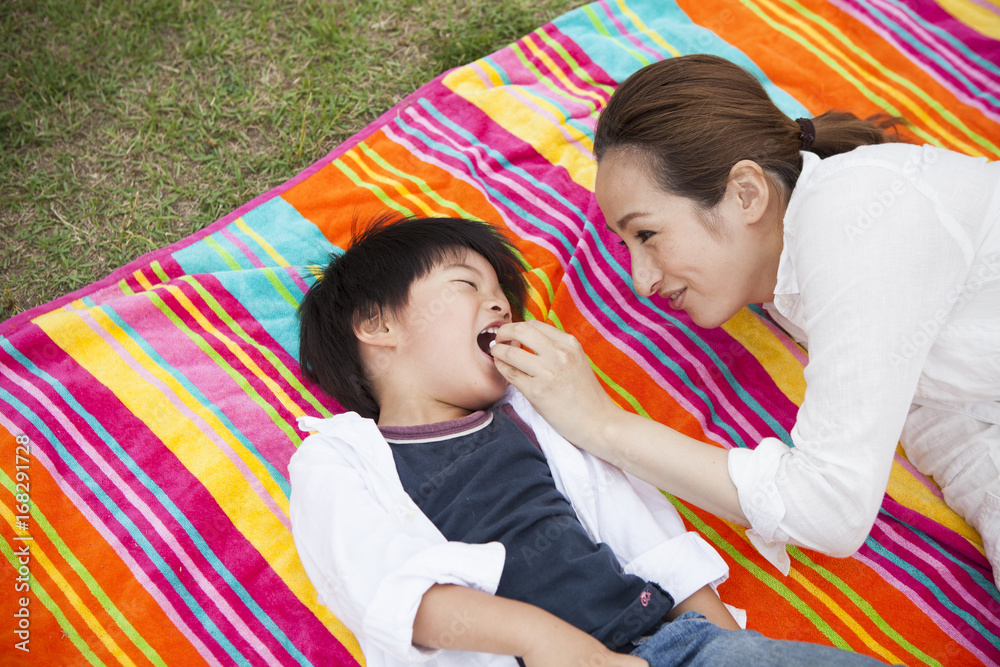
point(396, 185)
point(495, 79)
point(140, 278)
point(645, 30)
point(775, 358)
point(978, 18)
point(268, 248)
point(909, 491)
point(556, 73)
point(374, 189)
point(237, 351)
point(195, 451)
point(844, 617)
point(526, 124)
point(37, 553)
point(419, 182)
point(810, 38)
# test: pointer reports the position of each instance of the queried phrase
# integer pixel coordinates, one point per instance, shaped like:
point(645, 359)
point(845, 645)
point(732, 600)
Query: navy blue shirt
point(483, 479)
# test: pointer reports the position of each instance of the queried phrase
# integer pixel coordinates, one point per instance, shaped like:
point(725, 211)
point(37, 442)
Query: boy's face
point(440, 371)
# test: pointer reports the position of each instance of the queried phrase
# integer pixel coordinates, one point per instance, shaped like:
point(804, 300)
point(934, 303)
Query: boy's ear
point(375, 331)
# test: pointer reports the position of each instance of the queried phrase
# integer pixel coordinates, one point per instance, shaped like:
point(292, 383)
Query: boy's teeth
point(486, 339)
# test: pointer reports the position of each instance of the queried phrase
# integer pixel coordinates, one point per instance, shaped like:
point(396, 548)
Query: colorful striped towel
point(148, 419)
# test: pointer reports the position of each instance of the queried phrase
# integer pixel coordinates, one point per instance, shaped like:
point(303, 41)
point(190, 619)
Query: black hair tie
point(808, 133)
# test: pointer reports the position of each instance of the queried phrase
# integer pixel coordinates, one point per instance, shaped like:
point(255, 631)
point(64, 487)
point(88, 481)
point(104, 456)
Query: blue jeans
point(692, 640)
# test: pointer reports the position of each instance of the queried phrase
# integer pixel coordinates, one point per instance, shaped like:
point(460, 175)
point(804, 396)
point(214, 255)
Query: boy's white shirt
point(371, 553)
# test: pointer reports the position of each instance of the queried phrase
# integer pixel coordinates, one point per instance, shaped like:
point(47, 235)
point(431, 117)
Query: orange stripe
point(809, 80)
point(110, 573)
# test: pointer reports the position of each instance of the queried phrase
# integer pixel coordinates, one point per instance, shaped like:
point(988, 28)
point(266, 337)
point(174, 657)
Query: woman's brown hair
point(694, 117)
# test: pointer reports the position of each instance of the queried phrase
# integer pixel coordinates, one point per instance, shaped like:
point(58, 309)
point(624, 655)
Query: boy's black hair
point(373, 277)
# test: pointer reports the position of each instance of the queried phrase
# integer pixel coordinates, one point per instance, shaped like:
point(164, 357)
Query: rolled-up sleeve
point(878, 273)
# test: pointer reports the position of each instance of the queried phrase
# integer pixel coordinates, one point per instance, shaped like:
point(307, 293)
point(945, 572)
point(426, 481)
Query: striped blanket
point(146, 421)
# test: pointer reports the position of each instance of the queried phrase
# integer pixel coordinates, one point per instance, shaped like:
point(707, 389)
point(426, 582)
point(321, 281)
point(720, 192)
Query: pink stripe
point(499, 176)
point(930, 609)
point(242, 247)
point(626, 33)
point(985, 4)
point(458, 171)
point(919, 476)
point(80, 504)
point(256, 423)
point(212, 593)
point(933, 44)
point(112, 540)
point(293, 273)
point(559, 75)
point(558, 123)
point(495, 174)
point(942, 568)
point(647, 361)
point(187, 412)
point(582, 71)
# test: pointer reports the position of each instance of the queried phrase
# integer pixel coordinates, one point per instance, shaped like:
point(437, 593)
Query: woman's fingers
point(531, 333)
point(516, 362)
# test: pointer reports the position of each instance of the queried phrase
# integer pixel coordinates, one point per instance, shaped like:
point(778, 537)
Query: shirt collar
point(788, 282)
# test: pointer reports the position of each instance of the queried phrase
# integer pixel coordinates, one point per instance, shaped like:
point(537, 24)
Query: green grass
point(128, 125)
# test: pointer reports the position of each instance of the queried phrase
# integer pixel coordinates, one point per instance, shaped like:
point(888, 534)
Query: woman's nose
point(645, 278)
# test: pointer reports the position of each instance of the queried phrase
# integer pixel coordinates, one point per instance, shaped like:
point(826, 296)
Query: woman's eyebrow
point(624, 220)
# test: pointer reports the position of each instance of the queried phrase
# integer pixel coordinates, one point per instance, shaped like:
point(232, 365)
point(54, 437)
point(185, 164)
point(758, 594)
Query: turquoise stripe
point(554, 233)
point(984, 582)
point(132, 529)
point(748, 400)
point(621, 44)
point(494, 192)
point(501, 72)
point(664, 360)
point(550, 83)
point(196, 393)
point(928, 584)
point(288, 233)
point(633, 30)
point(265, 304)
point(973, 90)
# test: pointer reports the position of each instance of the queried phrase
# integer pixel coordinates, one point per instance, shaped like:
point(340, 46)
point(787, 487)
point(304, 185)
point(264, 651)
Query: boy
point(455, 525)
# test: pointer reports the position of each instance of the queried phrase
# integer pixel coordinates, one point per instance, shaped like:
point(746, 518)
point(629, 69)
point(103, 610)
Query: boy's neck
point(391, 414)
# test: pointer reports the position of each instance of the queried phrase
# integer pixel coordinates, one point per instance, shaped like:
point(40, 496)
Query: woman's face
point(709, 274)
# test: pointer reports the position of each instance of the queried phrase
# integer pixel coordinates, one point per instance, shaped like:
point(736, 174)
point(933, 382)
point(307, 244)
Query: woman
point(882, 258)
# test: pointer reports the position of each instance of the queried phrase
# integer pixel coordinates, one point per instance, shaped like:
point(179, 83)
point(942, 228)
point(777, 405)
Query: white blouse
point(890, 274)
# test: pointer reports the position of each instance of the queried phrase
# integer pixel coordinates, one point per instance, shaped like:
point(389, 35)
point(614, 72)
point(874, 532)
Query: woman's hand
point(556, 377)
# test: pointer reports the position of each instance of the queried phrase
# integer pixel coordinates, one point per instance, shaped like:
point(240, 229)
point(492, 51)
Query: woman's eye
point(644, 236)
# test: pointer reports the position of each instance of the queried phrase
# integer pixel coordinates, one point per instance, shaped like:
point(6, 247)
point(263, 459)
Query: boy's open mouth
point(486, 339)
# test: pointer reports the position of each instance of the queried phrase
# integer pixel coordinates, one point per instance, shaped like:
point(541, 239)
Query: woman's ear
point(750, 187)
point(375, 331)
